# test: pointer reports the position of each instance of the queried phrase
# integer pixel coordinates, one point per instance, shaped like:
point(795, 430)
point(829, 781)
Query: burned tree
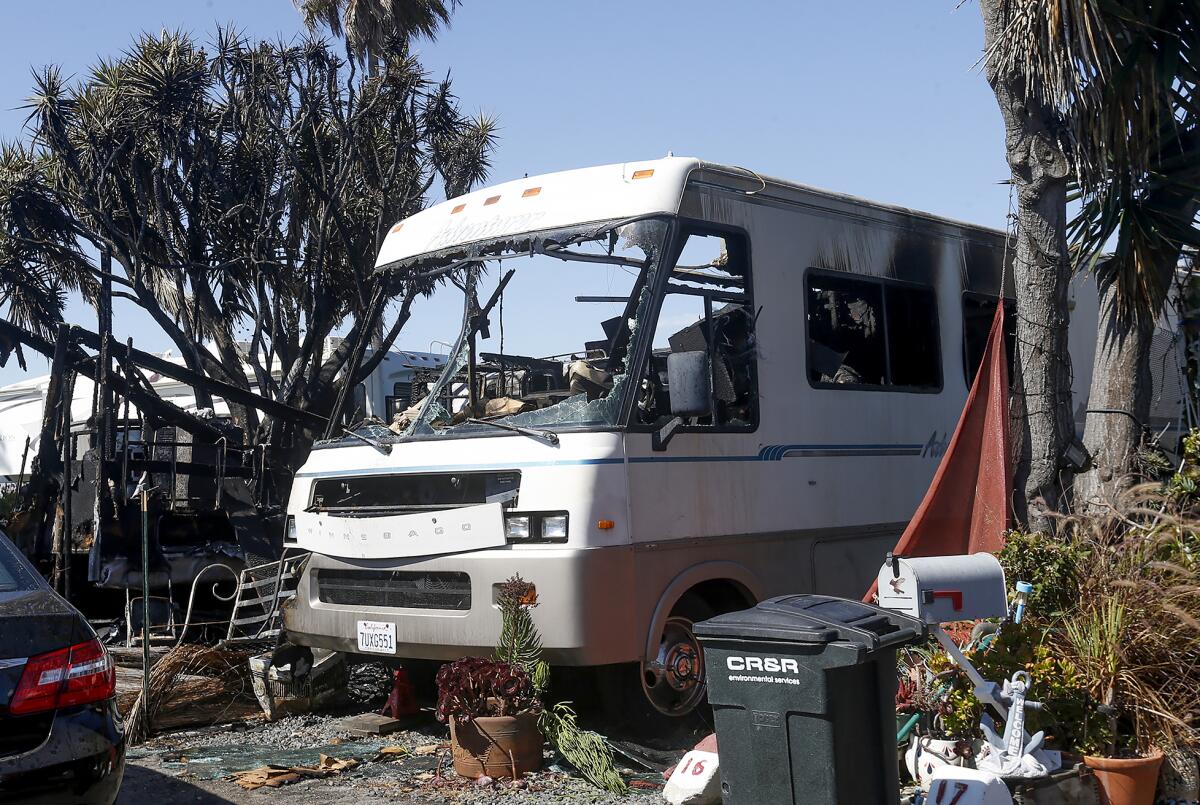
point(242, 195)
point(239, 197)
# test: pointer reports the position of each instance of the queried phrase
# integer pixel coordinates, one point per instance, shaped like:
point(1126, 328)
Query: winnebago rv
point(678, 388)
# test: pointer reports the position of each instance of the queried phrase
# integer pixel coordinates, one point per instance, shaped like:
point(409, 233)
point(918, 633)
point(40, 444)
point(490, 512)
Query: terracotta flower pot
point(1126, 781)
point(497, 746)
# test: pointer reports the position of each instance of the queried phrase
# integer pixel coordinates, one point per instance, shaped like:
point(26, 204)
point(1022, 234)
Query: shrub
point(1111, 637)
point(1134, 629)
point(1052, 565)
point(9, 500)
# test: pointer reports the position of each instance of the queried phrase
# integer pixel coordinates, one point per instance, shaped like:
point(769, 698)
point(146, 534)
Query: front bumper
point(81, 761)
point(585, 613)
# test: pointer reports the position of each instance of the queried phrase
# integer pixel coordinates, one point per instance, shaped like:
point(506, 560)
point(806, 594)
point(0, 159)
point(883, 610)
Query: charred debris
point(80, 516)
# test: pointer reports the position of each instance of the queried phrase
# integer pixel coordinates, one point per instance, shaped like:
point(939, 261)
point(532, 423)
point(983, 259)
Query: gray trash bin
point(803, 691)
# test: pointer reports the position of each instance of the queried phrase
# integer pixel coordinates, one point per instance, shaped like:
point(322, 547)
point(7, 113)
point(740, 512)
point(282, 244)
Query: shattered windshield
point(545, 331)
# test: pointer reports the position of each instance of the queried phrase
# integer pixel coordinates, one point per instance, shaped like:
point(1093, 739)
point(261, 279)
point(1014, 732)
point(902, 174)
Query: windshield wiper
point(544, 435)
point(386, 449)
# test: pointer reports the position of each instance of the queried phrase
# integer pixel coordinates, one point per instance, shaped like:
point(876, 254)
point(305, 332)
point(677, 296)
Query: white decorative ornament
point(952, 785)
point(926, 755)
point(695, 781)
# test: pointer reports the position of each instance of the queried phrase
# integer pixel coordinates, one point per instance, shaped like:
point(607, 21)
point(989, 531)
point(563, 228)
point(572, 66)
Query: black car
point(61, 738)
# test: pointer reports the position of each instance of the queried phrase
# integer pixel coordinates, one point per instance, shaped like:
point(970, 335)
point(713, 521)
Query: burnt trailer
point(79, 516)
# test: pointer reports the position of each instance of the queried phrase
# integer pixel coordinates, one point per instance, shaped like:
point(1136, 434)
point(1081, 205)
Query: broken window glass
point(707, 309)
point(845, 331)
point(547, 323)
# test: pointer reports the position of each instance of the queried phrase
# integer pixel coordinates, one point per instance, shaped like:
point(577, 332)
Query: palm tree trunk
point(1042, 272)
point(1121, 374)
point(1119, 402)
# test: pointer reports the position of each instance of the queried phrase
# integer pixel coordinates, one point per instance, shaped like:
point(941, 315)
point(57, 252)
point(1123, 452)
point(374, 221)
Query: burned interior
point(706, 314)
point(872, 333)
point(570, 365)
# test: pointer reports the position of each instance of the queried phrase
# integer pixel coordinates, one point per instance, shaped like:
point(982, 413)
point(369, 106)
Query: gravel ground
point(194, 767)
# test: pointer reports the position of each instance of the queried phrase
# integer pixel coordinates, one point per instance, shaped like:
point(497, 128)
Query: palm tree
point(1040, 169)
point(1153, 219)
point(1100, 93)
point(371, 27)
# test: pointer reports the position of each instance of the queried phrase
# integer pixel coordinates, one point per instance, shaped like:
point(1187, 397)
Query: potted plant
point(494, 706)
point(1127, 772)
point(936, 713)
point(493, 710)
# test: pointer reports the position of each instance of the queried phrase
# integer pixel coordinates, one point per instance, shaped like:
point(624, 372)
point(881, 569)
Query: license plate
point(377, 637)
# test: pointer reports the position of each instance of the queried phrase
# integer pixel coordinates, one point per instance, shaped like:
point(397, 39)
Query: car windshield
point(15, 574)
point(545, 332)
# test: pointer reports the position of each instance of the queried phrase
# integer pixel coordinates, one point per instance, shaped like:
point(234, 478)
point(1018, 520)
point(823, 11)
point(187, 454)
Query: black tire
point(675, 684)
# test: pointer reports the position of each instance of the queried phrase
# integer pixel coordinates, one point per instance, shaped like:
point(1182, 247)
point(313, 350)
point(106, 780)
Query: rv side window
point(913, 338)
point(845, 331)
point(706, 309)
point(977, 323)
point(872, 333)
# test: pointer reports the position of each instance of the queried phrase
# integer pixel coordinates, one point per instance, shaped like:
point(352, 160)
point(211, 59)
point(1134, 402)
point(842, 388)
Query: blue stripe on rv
point(773, 452)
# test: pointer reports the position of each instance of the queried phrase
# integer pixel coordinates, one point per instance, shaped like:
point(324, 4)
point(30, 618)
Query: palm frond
point(374, 28)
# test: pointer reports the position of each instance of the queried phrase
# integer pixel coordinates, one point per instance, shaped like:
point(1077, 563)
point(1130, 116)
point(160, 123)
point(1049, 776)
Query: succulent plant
point(471, 687)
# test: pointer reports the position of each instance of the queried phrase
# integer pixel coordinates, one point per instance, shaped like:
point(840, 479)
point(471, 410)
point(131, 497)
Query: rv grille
point(394, 588)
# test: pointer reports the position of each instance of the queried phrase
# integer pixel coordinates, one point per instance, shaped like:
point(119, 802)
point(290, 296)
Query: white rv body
point(806, 499)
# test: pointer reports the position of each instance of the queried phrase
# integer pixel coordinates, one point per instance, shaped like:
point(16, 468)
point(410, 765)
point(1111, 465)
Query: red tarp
point(965, 509)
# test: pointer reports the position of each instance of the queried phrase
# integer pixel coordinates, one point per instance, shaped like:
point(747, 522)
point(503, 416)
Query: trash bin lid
point(815, 619)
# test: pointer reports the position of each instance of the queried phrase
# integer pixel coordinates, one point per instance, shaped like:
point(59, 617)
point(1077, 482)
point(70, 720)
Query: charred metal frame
point(51, 486)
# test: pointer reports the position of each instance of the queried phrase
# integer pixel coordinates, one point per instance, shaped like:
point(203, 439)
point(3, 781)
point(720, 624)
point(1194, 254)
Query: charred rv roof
point(606, 193)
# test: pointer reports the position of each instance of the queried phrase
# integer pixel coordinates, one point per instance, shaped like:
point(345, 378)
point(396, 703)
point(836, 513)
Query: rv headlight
point(516, 526)
point(290, 536)
point(554, 526)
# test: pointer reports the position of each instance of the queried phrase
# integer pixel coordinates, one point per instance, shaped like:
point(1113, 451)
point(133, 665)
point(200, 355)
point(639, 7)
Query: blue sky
point(875, 98)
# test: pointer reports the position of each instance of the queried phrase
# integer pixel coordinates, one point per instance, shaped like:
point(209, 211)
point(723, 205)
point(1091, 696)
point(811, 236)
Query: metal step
point(261, 590)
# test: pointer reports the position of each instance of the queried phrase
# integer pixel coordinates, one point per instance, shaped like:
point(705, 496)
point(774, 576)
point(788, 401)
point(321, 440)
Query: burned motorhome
point(677, 388)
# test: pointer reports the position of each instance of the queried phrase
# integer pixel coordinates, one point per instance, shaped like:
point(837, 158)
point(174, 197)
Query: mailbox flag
point(965, 509)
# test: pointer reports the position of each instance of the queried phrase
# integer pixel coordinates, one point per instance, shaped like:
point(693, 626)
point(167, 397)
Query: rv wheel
point(674, 682)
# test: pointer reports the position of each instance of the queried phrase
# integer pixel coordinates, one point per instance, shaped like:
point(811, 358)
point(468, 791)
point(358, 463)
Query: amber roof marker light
point(531, 191)
point(644, 173)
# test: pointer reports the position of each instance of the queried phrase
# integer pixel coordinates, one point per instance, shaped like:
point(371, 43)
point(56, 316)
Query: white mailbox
point(942, 589)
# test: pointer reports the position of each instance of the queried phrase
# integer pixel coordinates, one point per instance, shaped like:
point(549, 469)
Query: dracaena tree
point(1098, 95)
point(39, 260)
point(242, 192)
